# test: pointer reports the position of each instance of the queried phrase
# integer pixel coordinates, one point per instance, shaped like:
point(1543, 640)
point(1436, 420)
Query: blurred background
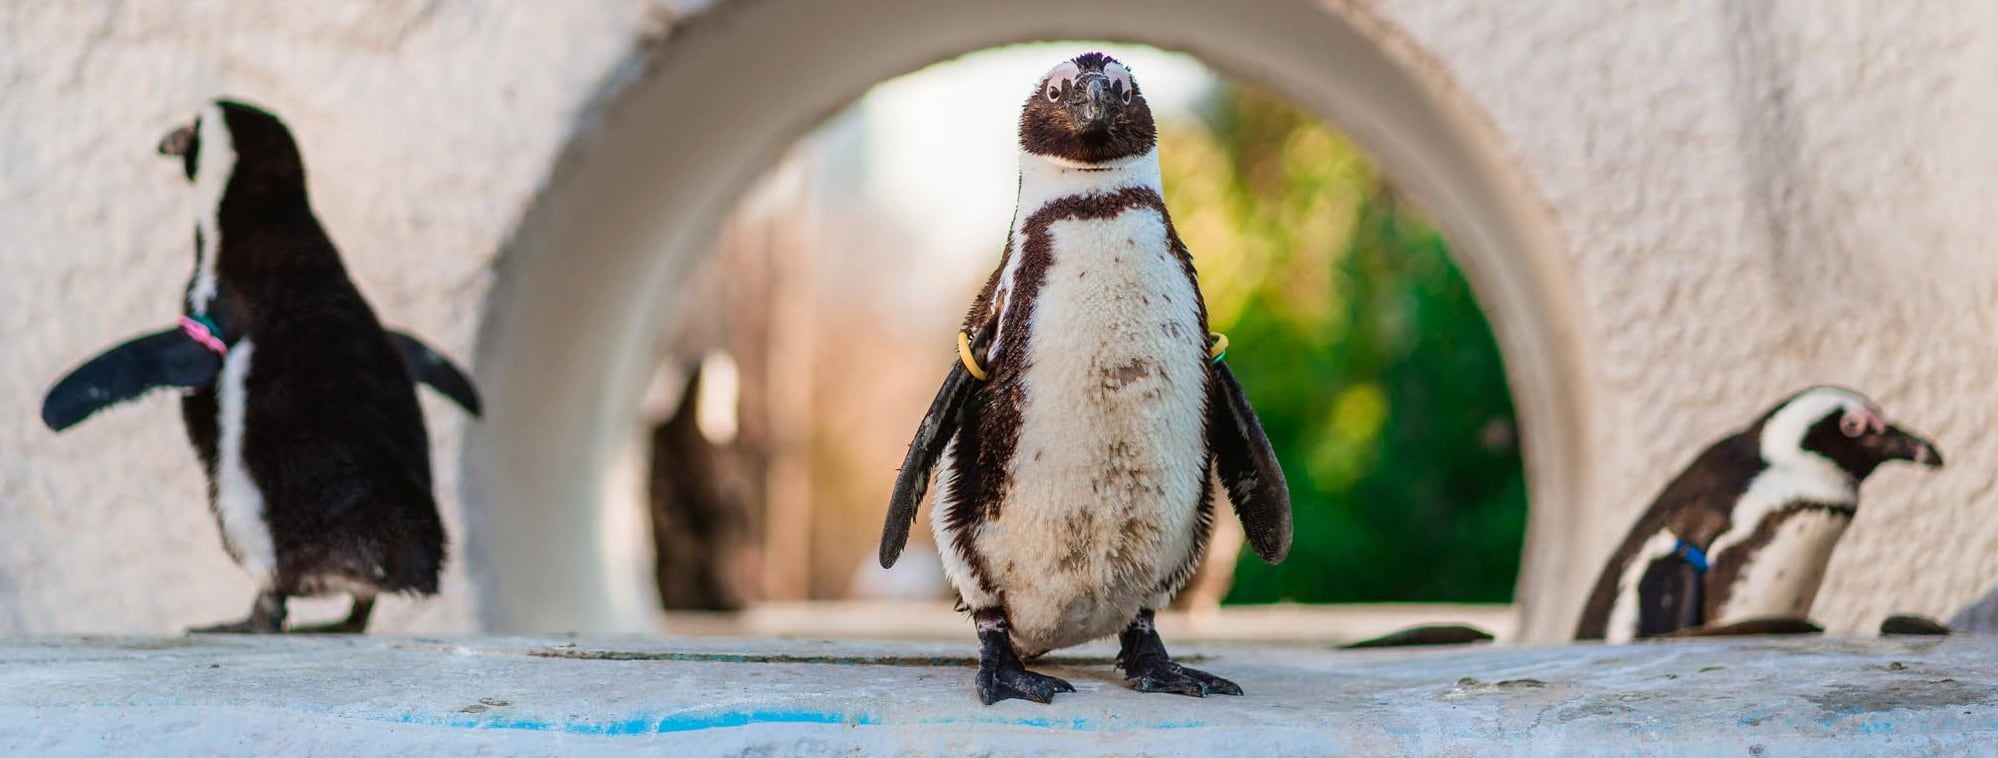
point(825, 314)
point(1493, 272)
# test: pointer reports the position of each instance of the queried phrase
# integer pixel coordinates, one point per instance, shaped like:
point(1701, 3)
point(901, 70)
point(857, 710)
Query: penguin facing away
point(1081, 440)
point(1739, 541)
point(299, 405)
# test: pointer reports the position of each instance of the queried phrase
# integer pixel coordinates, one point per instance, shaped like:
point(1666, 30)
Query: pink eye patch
point(1061, 78)
point(1858, 421)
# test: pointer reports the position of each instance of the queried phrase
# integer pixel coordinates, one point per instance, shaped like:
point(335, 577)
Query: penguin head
point(1843, 427)
point(234, 149)
point(1088, 110)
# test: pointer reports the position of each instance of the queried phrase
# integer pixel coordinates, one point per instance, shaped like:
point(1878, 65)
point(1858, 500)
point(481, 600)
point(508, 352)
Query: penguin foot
point(246, 626)
point(1001, 675)
point(266, 617)
point(1773, 625)
point(1166, 676)
point(355, 623)
point(346, 626)
point(1148, 668)
point(996, 684)
point(1434, 634)
point(1910, 624)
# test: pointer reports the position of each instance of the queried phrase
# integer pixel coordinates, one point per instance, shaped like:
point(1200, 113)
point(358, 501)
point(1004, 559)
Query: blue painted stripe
point(689, 722)
point(679, 722)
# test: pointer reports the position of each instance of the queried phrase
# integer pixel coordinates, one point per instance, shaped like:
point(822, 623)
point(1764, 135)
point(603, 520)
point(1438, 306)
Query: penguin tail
point(413, 557)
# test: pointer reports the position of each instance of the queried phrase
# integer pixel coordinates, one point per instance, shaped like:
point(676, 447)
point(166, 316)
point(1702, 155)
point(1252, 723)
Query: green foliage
point(1366, 355)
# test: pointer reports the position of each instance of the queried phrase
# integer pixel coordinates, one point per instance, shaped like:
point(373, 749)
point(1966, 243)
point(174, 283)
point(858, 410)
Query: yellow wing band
point(964, 354)
point(1220, 348)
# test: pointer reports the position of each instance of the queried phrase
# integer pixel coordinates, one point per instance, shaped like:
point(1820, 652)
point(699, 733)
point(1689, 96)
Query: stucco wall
point(1745, 198)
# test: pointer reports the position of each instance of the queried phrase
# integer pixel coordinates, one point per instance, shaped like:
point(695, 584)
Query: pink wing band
point(199, 333)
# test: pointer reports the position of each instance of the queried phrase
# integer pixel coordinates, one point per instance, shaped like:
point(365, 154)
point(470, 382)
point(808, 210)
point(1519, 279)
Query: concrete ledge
point(310, 696)
point(1276, 624)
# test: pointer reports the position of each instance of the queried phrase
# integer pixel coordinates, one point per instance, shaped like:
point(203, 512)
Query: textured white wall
point(1745, 197)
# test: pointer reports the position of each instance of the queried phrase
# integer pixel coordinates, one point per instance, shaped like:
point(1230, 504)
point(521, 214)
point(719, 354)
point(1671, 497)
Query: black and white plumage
point(298, 403)
point(1739, 541)
point(1076, 484)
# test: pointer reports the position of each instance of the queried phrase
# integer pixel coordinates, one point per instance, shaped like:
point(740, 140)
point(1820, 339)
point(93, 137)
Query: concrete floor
point(1276, 624)
point(408, 696)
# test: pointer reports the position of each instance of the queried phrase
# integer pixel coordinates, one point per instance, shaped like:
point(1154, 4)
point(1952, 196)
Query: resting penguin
point(299, 405)
point(1082, 438)
point(1738, 543)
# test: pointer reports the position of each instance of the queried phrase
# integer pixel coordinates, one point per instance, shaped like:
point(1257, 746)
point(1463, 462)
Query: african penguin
point(1082, 438)
point(298, 403)
point(1739, 541)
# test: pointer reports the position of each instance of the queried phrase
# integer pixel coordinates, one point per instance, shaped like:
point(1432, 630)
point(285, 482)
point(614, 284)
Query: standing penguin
point(1083, 435)
point(298, 403)
point(1739, 541)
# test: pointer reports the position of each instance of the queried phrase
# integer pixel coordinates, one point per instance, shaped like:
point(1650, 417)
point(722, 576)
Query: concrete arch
point(566, 343)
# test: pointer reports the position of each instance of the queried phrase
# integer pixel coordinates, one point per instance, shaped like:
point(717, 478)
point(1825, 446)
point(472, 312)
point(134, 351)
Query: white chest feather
point(1105, 479)
point(239, 504)
point(1782, 578)
point(1807, 480)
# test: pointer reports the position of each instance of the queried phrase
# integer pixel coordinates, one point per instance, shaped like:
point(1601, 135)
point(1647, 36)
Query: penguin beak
point(178, 141)
point(1901, 445)
point(1093, 104)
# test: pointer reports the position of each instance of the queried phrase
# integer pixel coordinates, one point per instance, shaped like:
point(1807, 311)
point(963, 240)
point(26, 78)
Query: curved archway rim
point(1511, 253)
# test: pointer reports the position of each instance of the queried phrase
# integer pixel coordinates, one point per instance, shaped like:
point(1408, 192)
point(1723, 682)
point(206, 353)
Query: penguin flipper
point(1248, 467)
point(1669, 597)
point(939, 425)
point(167, 358)
point(428, 366)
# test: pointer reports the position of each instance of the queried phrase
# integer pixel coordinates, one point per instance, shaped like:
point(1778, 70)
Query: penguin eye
point(1853, 425)
point(1120, 82)
point(1060, 79)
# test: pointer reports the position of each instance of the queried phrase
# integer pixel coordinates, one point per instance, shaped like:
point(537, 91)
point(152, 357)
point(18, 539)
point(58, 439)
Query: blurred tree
point(1366, 355)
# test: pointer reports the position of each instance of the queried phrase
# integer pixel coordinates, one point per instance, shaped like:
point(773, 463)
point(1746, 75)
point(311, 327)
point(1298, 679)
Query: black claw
point(995, 684)
point(1166, 676)
point(1215, 685)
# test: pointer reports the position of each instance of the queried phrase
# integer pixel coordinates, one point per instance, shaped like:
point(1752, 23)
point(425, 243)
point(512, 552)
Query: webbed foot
point(1148, 668)
point(355, 623)
point(996, 684)
point(1001, 675)
point(266, 617)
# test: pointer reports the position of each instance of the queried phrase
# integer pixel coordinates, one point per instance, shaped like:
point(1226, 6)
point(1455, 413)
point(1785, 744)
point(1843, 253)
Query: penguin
point(1081, 440)
point(1739, 541)
point(299, 405)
